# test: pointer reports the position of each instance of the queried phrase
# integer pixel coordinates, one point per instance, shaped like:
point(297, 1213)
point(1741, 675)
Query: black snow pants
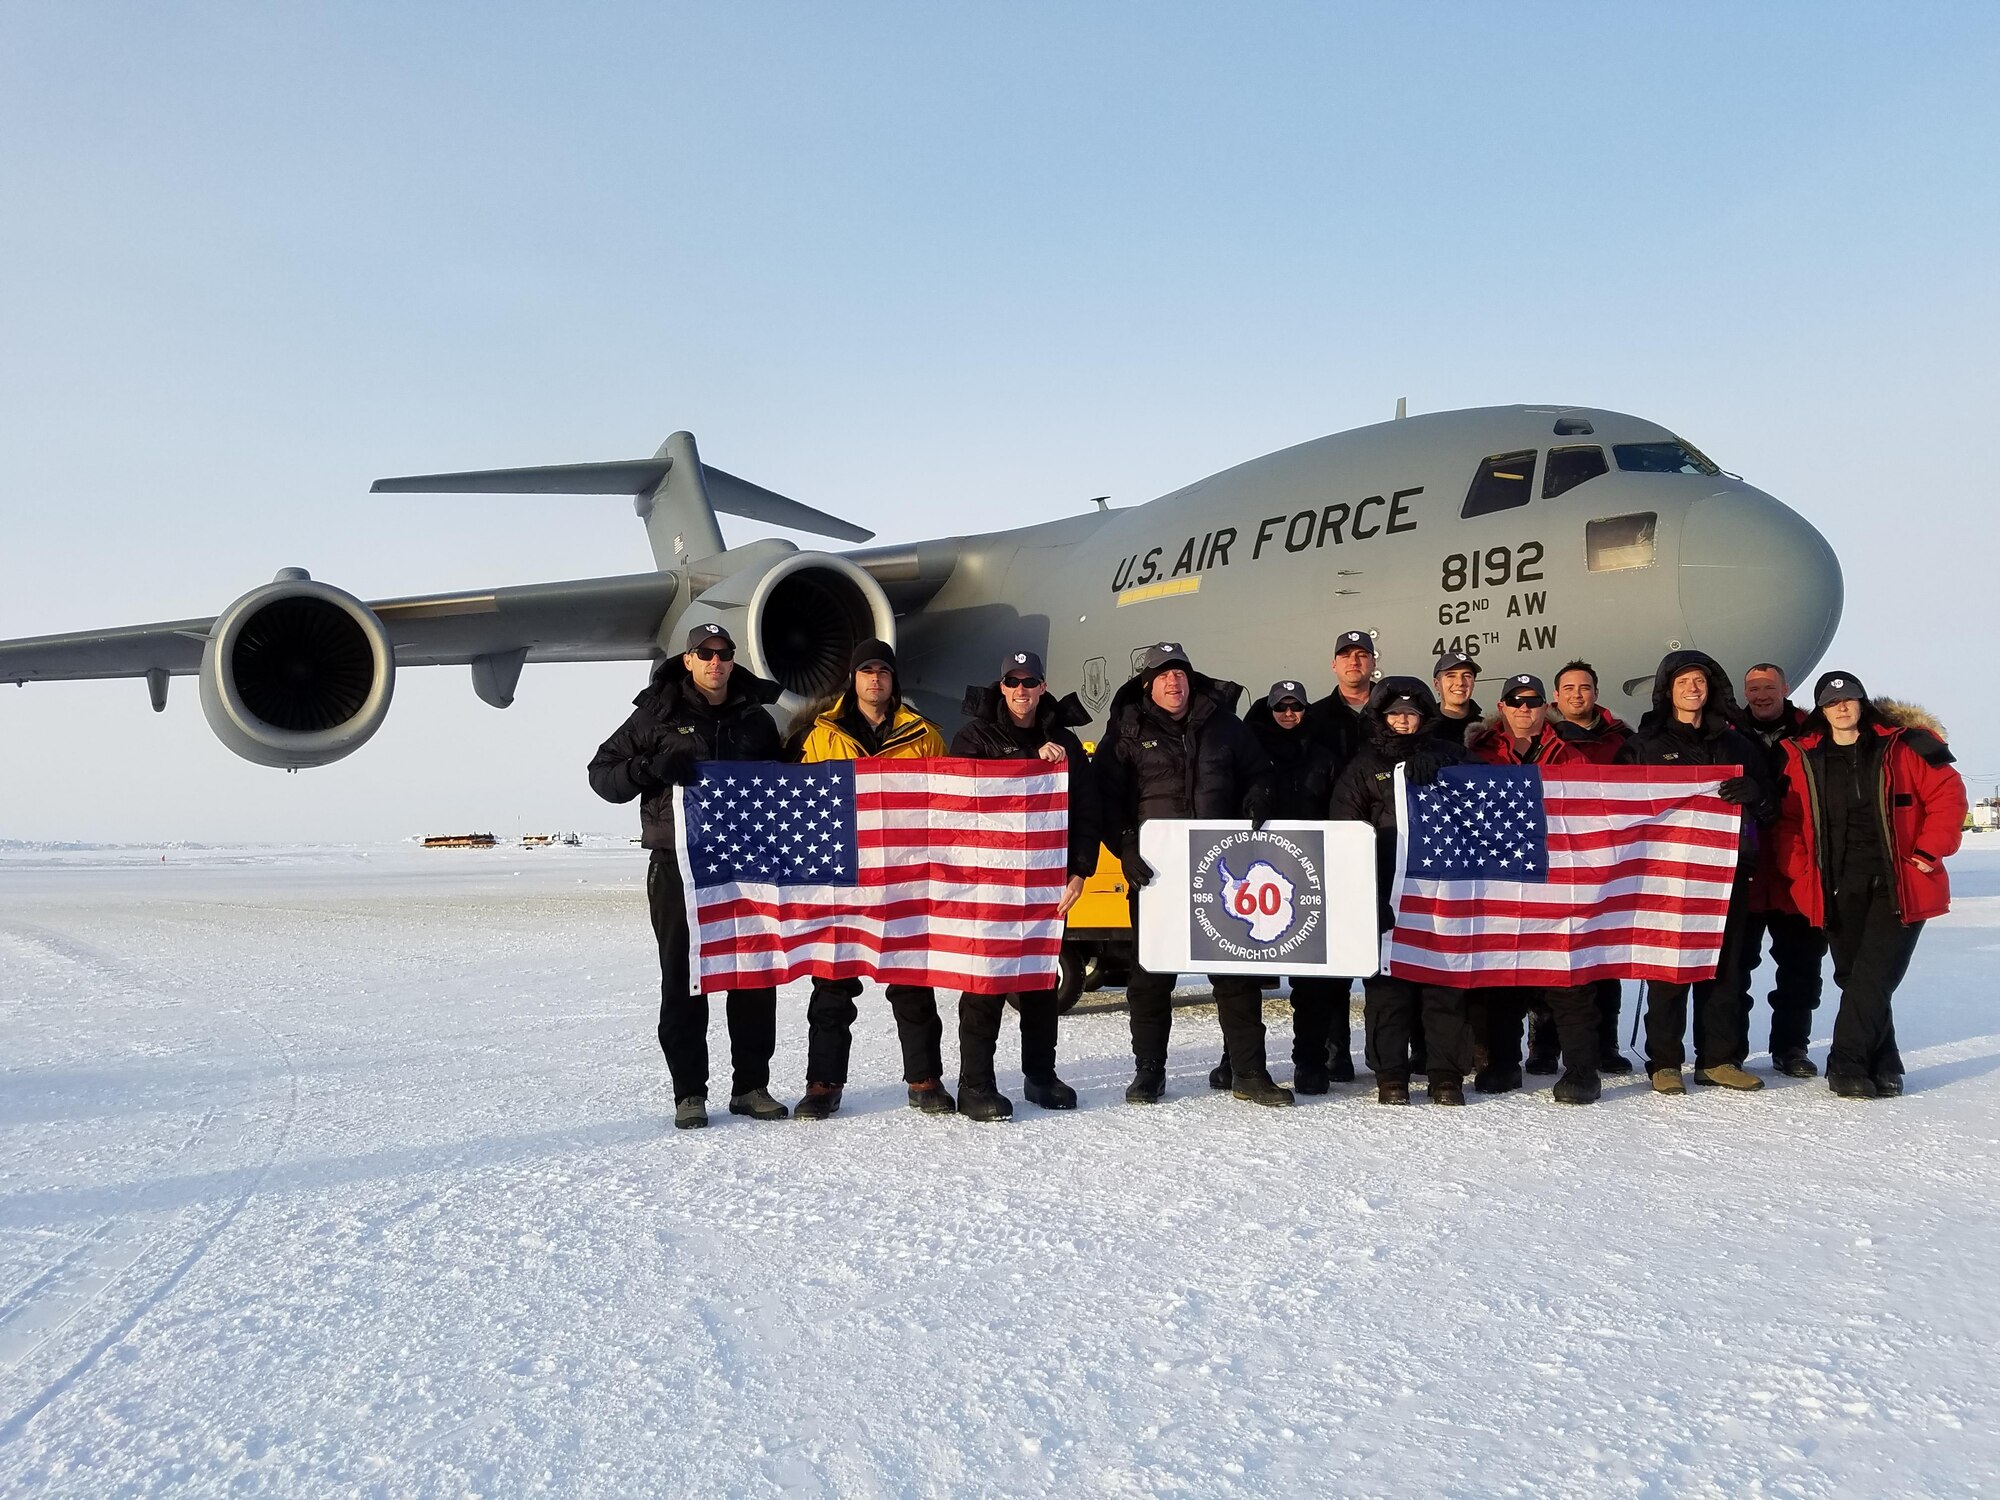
point(830, 1015)
point(1239, 1007)
point(1391, 1008)
point(1798, 951)
point(752, 1015)
point(1721, 1004)
point(1871, 953)
point(979, 1033)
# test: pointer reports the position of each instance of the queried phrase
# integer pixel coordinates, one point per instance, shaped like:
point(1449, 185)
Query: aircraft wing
point(593, 619)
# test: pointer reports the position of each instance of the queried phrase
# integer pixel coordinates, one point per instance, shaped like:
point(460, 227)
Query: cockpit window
point(1569, 467)
point(1662, 458)
point(1504, 481)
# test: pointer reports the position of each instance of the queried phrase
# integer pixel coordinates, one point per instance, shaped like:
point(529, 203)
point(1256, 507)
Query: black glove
point(1740, 790)
point(1257, 808)
point(1138, 873)
point(675, 767)
point(1421, 769)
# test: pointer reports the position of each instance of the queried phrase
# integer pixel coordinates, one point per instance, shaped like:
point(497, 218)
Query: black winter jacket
point(1203, 765)
point(672, 715)
point(1452, 731)
point(1366, 790)
point(1336, 726)
point(990, 734)
point(1663, 740)
point(1302, 768)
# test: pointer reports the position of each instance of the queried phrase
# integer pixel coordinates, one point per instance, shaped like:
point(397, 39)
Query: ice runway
point(349, 1171)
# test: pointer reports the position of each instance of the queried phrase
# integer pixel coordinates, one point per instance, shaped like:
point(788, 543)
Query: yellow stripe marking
point(1165, 589)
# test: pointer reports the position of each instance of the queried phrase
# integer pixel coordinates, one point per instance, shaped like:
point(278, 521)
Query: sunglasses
point(1524, 702)
point(715, 653)
point(1021, 682)
point(1289, 708)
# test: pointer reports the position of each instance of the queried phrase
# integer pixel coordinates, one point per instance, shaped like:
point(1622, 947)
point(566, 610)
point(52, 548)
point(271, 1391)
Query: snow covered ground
point(348, 1171)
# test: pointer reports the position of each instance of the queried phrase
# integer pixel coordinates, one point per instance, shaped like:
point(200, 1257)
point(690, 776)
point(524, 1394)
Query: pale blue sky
point(937, 268)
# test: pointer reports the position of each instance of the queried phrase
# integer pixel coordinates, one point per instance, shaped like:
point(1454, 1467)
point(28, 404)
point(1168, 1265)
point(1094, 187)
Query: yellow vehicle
point(1097, 942)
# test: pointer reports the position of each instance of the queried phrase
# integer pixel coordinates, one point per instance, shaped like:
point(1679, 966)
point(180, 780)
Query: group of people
point(1849, 810)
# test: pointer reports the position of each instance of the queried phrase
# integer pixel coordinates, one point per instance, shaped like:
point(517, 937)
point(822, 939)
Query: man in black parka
point(1302, 771)
point(1694, 721)
point(1174, 748)
point(1017, 718)
point(1401, 729)
point(699, 707)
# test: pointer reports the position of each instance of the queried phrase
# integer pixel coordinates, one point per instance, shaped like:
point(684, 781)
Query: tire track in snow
point(107, 1266)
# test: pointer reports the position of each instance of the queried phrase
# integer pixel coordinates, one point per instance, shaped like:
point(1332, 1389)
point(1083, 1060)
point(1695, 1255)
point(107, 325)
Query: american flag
point(941, 872)
point(1560, 875)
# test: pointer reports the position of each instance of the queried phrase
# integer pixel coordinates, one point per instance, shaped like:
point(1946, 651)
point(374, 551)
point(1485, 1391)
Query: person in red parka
point(1871, 810)
point(1520, 735)
point(1597, 735)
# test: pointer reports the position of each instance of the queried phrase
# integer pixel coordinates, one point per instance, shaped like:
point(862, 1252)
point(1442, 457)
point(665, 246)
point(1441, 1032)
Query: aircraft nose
point(1758, 583)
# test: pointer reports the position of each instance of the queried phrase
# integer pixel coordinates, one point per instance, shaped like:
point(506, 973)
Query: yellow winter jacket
point(910, 736)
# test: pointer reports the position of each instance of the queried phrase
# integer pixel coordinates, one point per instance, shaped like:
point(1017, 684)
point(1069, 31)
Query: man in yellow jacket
point(870, 718)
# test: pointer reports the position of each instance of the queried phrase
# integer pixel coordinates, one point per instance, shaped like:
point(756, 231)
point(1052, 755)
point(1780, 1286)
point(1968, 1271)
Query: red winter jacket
point(1600, 744)
point(1493, 743)
point(1923, 797)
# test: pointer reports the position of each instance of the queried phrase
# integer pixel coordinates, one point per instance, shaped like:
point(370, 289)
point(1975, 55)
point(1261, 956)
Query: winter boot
point(1260, 1090)
point(1544, 1050)
point(929, 1096)
point(1501, 1079)
point(1794, 1063)
point(1048, 1091)
point(1445, 1088)
point(1392, 1090)
point(1614, 1064)
point(1727, 1076)
point(979, 1101)
point(1578, 1087)
point(1220, 1076)
point(1306, 1079)
point(821, 1100)
point(691, 1113)
point(1149, 1082)
point(758, 1105)
point(1668, 1081)
point(1852, 1085)
point(1888, 1085)
point(1341, 1068)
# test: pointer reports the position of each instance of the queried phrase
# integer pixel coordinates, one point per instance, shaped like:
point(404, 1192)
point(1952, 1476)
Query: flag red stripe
point(1582, 974)
point(962, 838)
point(1651, 833)
point(1500, 941)
point(746, 907)
point(1029, 983)
point(947, 802)
point(1049, 876)
point(742, 943)
point(1476, 907)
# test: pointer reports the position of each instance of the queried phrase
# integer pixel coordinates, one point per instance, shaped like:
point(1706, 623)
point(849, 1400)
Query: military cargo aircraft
point(1521, 535)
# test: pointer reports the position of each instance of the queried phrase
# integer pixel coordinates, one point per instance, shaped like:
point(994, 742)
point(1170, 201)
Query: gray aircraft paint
point(1255, 569)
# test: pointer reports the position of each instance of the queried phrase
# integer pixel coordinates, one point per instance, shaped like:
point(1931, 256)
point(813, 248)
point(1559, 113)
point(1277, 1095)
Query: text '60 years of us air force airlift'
point(1521, 535)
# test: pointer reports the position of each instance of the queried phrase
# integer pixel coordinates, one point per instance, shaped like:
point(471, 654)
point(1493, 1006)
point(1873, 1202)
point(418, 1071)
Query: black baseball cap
point(1451, 661)
point(869, 651)
point(1287, 691)
point(1023, 663)
point(1354, 640)
point(1835, 687)
point(1524, 690)
point(1157, 658)
point(710, 634)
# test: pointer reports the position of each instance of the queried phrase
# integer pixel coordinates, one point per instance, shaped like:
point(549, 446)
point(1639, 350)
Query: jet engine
point(796, 618)
point(296, 673)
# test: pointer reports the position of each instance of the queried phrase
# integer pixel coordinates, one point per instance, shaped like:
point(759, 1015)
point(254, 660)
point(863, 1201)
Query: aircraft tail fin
point(677, 496)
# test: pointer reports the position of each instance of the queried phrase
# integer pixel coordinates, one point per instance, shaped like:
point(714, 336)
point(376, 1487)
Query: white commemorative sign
point(1293, 898)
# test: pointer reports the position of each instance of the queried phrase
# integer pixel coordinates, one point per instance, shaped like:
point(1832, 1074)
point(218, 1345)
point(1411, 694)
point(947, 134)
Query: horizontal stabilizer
point(726, 493)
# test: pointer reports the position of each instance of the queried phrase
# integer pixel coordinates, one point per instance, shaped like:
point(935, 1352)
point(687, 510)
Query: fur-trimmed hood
point(1900, 715)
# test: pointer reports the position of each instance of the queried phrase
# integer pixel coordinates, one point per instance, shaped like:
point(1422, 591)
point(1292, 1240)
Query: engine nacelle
point(296, 673)
point(795, 620)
